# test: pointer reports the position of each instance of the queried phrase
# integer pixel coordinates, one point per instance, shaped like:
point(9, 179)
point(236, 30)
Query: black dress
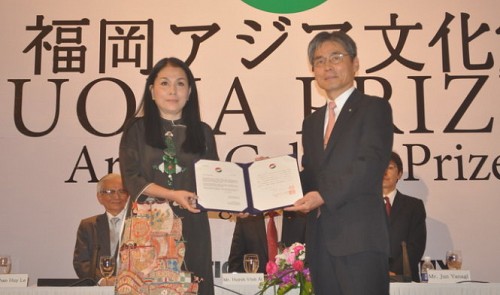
point(139, 164)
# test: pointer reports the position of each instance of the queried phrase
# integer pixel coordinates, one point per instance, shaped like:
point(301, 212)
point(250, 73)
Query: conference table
point(396, 289)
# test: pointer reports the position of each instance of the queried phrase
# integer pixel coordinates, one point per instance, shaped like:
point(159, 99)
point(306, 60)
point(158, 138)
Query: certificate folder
point(247, 187)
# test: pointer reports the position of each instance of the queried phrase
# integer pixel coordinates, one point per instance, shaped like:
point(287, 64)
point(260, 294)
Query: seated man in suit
point(250, 237)
point(95, 236)
point(406, 221)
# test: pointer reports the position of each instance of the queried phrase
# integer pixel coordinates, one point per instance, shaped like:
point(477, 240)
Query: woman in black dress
point(158, 150)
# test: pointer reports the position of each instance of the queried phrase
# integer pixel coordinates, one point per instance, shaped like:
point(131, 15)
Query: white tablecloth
point(401, 289)
point(445, 289)
point(396, 289)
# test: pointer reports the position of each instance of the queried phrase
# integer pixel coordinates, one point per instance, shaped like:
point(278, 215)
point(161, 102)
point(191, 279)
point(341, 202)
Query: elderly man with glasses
point(99, 235)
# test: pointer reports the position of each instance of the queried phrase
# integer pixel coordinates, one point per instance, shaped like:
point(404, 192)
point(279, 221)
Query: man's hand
point(306, 204)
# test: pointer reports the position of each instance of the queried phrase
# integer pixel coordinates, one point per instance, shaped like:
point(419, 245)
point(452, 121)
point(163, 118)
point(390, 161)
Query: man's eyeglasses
point(110, 192)
point(334, 58)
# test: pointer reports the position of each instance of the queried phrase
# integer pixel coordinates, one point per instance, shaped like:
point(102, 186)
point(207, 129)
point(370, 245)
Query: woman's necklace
point(169, 158)
point(169, 163)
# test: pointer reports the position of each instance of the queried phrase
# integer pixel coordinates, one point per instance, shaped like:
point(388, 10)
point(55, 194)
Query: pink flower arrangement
point(288, 272)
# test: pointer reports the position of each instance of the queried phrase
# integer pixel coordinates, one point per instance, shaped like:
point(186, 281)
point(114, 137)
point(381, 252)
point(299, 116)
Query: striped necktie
point(331, 122)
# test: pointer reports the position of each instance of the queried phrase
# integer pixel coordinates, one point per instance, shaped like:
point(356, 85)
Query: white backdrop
point(441, 79)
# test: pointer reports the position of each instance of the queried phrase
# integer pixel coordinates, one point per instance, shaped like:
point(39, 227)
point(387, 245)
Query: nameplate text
point(13, 280)
point(242, 278)
point(448, 276)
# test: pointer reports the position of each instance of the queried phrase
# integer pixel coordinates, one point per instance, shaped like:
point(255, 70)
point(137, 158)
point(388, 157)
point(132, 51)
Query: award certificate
point(254, 187)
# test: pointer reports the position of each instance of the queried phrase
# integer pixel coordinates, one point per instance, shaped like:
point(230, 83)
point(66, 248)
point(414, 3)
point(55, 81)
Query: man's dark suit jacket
point(92, 237)
point(407, 223)
point(348, 174)
point(250, 237)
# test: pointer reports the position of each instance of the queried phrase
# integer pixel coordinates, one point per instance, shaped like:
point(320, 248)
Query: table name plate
point(13, 280)
point(242, 278)
point(448, 276)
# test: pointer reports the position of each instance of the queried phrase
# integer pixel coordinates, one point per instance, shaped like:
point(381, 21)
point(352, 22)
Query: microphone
point(83, 282)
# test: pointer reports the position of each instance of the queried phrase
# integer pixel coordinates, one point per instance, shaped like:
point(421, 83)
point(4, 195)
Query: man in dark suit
point(250, 237)
point(347, 238)
point(406, 222)
point(94, 238)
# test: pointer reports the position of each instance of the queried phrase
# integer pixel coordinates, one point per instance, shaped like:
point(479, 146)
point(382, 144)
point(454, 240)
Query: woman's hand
point(185, 199)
